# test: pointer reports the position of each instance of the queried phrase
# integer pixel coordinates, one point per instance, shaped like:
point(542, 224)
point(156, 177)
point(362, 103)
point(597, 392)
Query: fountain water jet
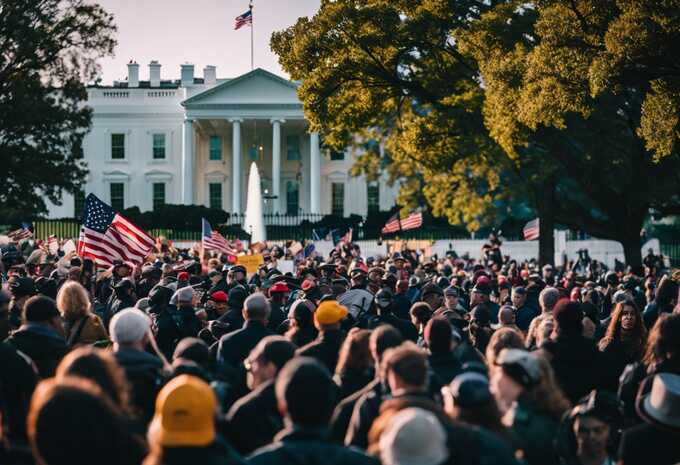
point(254, 223)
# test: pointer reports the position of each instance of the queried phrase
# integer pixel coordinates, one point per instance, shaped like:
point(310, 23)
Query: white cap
point(129, 325)
point(414, 436)
point(183, 294)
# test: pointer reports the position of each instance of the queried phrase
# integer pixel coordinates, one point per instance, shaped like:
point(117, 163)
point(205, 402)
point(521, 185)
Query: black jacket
point(445, 367)
point(217, 453)
point(303, 446)
point(351, 381)
point(276, 316)
point(189, 324)
point(575, 360)
point(342, 415)
point(43, 344)
point(406, 328)
point(254, 420)
point(613, 360)
point(325, 348)
point(646, 444)
point(234, 347)
point(143, 372)
point(17, 381)
point(166, 332)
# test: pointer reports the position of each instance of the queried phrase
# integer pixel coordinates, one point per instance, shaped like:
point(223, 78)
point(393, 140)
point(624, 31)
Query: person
point(164, 326)
point(355, 365)
point(506, 318)
point(481, 295)
point(402, 302)
point(665, 298)
point(547, 299)
point(18, 378)
point(21, 288)
point(480, 329)
point(525, 388)
point(657, 440)
point(433, 296)
point(41, 335)
point(525, 312)
point(81, 326)
point(123, 297)
point(5, 299)
point(421, 312)
point(504, 338)
point(574, 358)
point(130, 333)
point(413, 435)
point(623, 343)
point(442, 362)
point(183, 427)
point(254, 420)
point(188, 323)
point(72, 422)
point(300, 328)
point(233, 317)
point(278, 297)
point(305, 394)
point(326, 347)
point(384, 303)
point(234, 347)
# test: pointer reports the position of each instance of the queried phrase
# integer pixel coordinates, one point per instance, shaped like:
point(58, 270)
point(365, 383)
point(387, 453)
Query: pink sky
point(196, 31)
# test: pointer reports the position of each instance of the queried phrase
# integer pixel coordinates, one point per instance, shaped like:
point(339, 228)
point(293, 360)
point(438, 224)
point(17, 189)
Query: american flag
point(212, 240)
point(392, 225)
point(414, 220)
point(532, 230)
point(245, 18)
point(22, 233)
point(107, 236)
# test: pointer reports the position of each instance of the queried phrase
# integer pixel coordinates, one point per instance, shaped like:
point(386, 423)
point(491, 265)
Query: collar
point(302, 433)
point(253, 324)
point(41, 329)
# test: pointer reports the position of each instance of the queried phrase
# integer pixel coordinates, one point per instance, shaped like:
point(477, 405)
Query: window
point(373, 196)
point(215, 148)
point(117, 146)
point(79, 203)
point(215, 195)
point(117, 193)
point(338, 199)
point(337, 155)
point(159, 146)
point(293, 147)
point(253, 152)
point(292, 198)
point(158, 195)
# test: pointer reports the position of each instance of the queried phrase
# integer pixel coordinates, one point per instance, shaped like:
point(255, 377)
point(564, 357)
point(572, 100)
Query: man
point(383, 305)
point(122, 297)
point(130, 329)
point(21, 288)
point(402, 303)
point(525, 312)
point(481, 295)
point(279, 296)
point(432, 295)
point(358, 278)
point(326, 347)
point(234, 347)
point(5, 299)
point(443, 363)
point(233, 317)
point(547, 299)
point(506, 318)
point(254, 419)
point(238, 273)
point(188, 323)
point(305, 394)
point(41, 335)
point(164, 326)
point(549, 274)
point(217, 305)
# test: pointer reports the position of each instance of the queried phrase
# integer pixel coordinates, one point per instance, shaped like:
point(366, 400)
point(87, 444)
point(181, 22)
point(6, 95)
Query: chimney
point(187, 74)
point(154, 74)
point(133, 74)
point(210, 75)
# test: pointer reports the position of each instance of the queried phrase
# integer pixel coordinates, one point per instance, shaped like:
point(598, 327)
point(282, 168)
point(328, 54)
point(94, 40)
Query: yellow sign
point(251, 262)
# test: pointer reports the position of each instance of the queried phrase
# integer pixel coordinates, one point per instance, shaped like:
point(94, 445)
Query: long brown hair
point(547, 397)
point(354, 353)
point(664, 339)
point(614, 332)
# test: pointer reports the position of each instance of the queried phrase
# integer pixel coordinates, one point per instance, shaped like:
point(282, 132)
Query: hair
point(256, 307)
point(502, 338)
point(547, 397)
point(354, 353)
point(666, 293)
point(304, 330)
point(664, 339)
point(568, 317)
point(486, 415)
point(384, 337)
point(39, 308)
point(101, 368)
point(307, 390)
point(548, 298)
point(71, 422)
point(421, 311)
point(614, 332)
point(408, 362)
point(73, 301)
point(438, 335)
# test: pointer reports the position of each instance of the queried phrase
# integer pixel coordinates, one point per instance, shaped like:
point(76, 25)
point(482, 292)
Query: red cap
point(219, 296)
point(502, 279)
point(279, 287)
point(307, 284)
point(483, 280)
point(183, 276)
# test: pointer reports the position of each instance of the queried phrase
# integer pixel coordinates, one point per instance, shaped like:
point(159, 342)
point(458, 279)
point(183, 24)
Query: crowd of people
point(397, 360)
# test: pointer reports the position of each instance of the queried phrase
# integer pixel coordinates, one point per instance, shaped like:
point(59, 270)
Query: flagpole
point(252, 26)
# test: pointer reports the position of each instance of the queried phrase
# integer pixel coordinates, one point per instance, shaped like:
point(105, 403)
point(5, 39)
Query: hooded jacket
point(42, 343)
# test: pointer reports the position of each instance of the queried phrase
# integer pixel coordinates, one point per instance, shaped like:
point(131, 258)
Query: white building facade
point(192, 140)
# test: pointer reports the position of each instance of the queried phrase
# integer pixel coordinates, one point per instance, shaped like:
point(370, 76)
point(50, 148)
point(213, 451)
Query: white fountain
point(254, 224)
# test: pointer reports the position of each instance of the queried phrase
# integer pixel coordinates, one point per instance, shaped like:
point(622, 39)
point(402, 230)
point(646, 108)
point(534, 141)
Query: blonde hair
point(73, 301)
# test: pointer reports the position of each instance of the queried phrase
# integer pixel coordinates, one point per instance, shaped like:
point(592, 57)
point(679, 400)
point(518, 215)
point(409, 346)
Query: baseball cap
point(452, 291)
point(521, 366)
point(183, 276)
point(185, 413)
point(470, 389)
point(183, 294)
point(330, 312)
point(218, 296)
point(129, 325)
point(279, 287)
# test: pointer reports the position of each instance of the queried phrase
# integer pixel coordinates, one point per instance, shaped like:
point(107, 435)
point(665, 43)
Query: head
point(548, 298)
point(568, 318)
point(480, 294)
point(413, 435)
point(382, 338)
point(329, 315)
point(421, 312)
point(354, 353)
point(626, 322)
point(305, 393)
point(451, 297)
point(42, 310)
point(405, 368)
point(518, 297)
point(218, 301)
point(432, 295)
point(130, 328)
point(468, 399)
point(73, 301)
point(506, 315)
point(595, 418)
point(502, 338)
point(439, 335)
point(267, 359)
point(664, 340)
point(256, 308)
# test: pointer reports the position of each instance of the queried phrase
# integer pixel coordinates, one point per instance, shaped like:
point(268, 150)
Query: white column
point(187, 189)
point(315, 173)
point(276, 164)
point(236, 165)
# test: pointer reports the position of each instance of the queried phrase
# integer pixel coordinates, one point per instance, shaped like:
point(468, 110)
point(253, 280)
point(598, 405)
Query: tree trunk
point(632, 250)
point(546, 240)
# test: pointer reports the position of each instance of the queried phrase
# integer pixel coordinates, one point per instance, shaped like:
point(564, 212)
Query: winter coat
point(326, 348)
point(144, 373)
point(535, 433)
point(524, 315)
point(235, 347)
point(276, 316)
point(166, 332)
point(217, 453)
point(646, 444)
point(43, 344)
point(342, 415)
point(445, 366)
point(188, 323)
point(575, 360)
point(254, 420)
point(614, 358)
point(18, 379)
point(351, 381)
point(86, 330)
point(297, 446)
point(406, 328)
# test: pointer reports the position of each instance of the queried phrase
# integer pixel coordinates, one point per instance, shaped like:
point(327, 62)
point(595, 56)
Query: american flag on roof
point(244, 19)
point(22, 233)
point(107, 236)
point(212, 240)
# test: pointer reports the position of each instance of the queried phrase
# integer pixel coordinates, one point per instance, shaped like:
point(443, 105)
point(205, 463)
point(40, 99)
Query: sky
point(200, 32)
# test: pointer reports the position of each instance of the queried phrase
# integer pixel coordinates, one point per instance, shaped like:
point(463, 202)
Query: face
point(505, 389)
point(591, 435)
point(451, 301)
point(239, 276)
point(220, 307)
point(477, 298)
point(215, 279)
point(518, 299)
point(628, 318)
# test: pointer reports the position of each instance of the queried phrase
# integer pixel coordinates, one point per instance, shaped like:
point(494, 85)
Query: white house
point(191, 141)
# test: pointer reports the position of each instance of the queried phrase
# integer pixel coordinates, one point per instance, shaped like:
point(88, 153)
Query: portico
point(254, 118)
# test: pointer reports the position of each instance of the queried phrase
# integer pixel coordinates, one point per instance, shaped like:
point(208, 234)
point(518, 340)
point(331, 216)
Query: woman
point(80, 324)
point(623, 343)
point(301, 320)
point(420, 314)
point(355, 364)
point(526, 389)
point(665, 298)
point(72, 422)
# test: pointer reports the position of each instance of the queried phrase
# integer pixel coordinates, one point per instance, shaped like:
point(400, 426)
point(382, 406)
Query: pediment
point(257, 87)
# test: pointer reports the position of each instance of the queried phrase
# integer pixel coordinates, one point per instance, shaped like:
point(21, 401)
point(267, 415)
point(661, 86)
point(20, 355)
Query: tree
point(49, 50)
